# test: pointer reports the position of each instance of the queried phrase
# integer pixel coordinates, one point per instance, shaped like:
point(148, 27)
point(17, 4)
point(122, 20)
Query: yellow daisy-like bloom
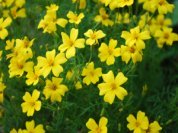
point(136, 37)
point(54, 89)
point(3, 24)
point(52, 62)
point(164, 7)
point(30, 127)
point(165, 36)
point(19, 65)
point(122, 3)
point(154, 127)
point(31, 102)
point(33, 76)
point(74, 18)
point(130, 52)
point(112, 86)
point(93, 36)
point(139, 124)
point(91, 74)
point(70, 43)
point(103, 18)
point(109, 52)
point(17, 12)
point(97, 128)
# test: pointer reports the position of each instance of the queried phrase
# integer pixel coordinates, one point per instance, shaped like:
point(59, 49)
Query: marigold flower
point(74, 18)
point(154, 127)
point(31, 103)
point(19, 65)
point(136, 37)
point(93, 36)
point(30, 127)
point(122, 3)
point(164, 7)
point(91, 74)
point(54, 89)
point(52, 62)
point(139, 124)
point(70, 43)
point(3, 24)
point(130, 52)
point(109, 52)
point(15, 131)
point(33, 76)
point(165, 36)
point(112, 87)
point(103, 18)
point(97, 128)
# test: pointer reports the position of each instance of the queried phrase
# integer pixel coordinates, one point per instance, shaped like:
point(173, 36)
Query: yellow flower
point(70, 43)
point(30, 127)
point(9, 44)
point(103, 18)
point(31, 103)
point(52, 8)
point(33, 76)
point(14, 131)
point(109, 52)
point(97, 128)
point(154, 127)
point(91, 74)
point(112, 86)
point(93, 36)
point(74, 18)
point(19, 65)
point(122, 3)
point(74, 76)
point(165, 36)
point(150, 5)
point(54, 89)
point(48, 24)
point(130, 52)
point(106, 2)
point(2, 87)
point(1, 54)
point(3, 25)
point(164, 7)
point(51, 63)
point(136, 37)
point(19, 3)
point(18, 13)
point(139, 124)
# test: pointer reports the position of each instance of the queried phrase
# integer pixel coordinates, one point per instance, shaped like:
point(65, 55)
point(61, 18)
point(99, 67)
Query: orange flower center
point(113, 86)
point(132, 50)
point(54, 87)
point(166, 35)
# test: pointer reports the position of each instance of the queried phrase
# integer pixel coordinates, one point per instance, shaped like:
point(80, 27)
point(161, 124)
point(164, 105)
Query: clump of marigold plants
point(88, 66)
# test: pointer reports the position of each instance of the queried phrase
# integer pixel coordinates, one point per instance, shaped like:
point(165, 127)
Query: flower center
point(110, 51)
point(20, 66)
point(51, 62)
point(137, 124)
point(54, 87)
point(113, 86)
point(132, 50)
point(93, 36)
point(166, 35)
